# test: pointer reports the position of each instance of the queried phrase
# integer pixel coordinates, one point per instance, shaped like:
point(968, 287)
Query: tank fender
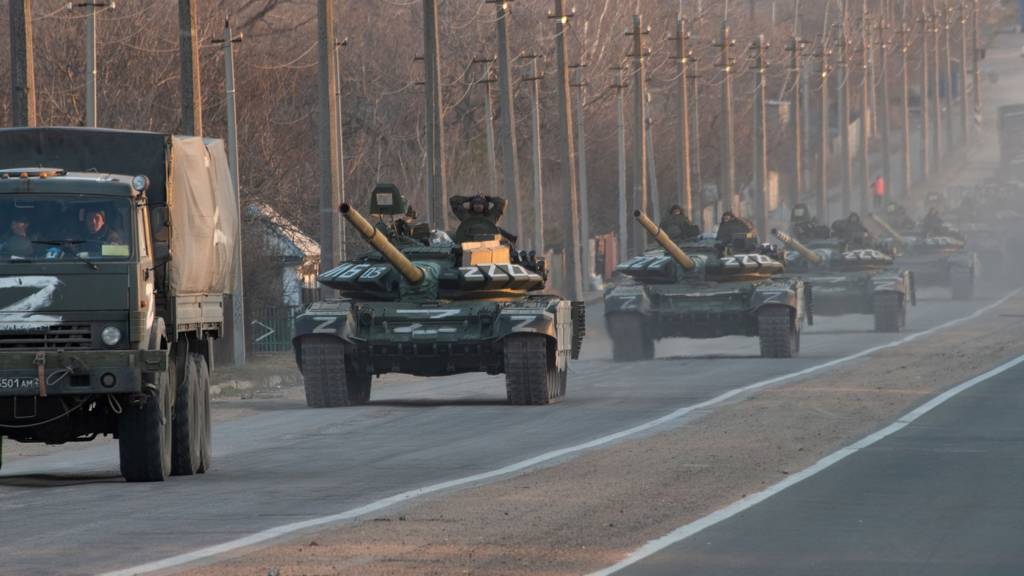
point(964, 260)
point(789, 294)
point(629, 298)
point(527, 321)
point(894, 281)
point(322, 318)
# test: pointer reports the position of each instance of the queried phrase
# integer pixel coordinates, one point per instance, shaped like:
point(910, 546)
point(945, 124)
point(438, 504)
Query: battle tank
point(852, 281)
point(936, 260)
point(427, 306)
point(715, 290)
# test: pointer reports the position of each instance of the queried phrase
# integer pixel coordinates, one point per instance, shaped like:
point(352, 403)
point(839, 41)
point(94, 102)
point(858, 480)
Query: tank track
point(531, 377)
point(890, 313)
point(777, 336)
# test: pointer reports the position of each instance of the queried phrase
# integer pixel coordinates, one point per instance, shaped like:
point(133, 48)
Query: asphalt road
point(70, 513)
point(939, 497)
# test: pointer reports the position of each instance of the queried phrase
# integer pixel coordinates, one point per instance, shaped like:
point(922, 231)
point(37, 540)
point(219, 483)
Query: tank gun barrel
point(661, 238)
point(380, 243)
point(807, 253)
point(892, 231)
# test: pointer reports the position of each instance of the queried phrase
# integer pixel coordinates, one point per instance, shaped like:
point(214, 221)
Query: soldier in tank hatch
point(805, 226)
point(678, 226)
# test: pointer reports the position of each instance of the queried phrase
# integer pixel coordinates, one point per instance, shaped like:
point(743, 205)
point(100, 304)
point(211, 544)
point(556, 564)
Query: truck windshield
point(61, 228)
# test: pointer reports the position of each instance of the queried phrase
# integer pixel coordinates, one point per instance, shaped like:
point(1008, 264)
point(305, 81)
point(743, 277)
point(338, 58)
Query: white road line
point(286, 529)
point(684, 532)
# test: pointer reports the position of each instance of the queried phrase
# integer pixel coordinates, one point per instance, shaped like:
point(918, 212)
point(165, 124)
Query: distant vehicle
point(846, 281)
point(715, 290)
point(422, 304)
point(1011, 141)
point(113, 266)
point(942, 261)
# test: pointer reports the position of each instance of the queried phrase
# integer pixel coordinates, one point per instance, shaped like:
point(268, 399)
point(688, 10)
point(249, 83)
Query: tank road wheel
point(890, 312)
point(186, 424)
point(630, 340)
point(328, 381)
point(778, 333)
point(961, 281)
point(144, 433)
point(533, 373)
point(205, 418)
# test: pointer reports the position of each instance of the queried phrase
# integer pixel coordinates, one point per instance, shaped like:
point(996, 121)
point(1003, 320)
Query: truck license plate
point(19, 384)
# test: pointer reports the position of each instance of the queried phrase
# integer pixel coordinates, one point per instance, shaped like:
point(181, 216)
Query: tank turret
point(807, 253)
point(662, 238)
point(376, 239)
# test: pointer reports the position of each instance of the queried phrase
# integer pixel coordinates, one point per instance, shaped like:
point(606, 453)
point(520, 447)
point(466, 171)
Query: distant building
point(292, 257)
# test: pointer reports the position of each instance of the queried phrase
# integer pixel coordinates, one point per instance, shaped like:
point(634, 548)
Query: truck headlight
point(111, 335)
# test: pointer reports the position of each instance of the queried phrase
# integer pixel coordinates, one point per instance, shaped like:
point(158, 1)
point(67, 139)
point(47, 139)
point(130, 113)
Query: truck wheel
point(326, 377)
point(890, 312)
point(778, 334)
point(630, 340)
point(961, 281)
point(144, 433)
point(533, 374)
point(186, 425)
point(205, 418)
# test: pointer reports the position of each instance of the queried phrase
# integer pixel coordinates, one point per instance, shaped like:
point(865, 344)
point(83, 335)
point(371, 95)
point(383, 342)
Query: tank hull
point(704, 309)
point(439, 338)
point(837, 294)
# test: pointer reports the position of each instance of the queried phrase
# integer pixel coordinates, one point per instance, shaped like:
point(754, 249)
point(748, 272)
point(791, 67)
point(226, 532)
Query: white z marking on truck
point(22, 314)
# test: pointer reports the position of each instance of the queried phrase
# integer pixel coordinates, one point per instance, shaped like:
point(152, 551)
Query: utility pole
point(727, 184)
point(330, 217)
point(795, 48)
point(538, 168)
point(865, 105)
point(191, 91)
point(437, 192)
point(761, 138)
point(238, 295)
point(652, 167)
point(908, 175)
point(926, 143)
point(23, 76)
point(581, 160)
point(936, 24)
point(883, 110)
point(507, 126)
point(486, 80)
point(90, 56)
point(965, 127)
point(823, 143)
point(342, 195)
point(844, 109)
point(684, 194)
point(571, 236)
point(975, 65)
point(947, 29)
point(640, 189)
point(695, 140)
point(620, 126)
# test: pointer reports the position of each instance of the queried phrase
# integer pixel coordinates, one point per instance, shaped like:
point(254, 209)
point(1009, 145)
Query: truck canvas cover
point(188, 174)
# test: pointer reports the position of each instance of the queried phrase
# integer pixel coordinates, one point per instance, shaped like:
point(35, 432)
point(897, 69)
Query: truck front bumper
point(77, 372)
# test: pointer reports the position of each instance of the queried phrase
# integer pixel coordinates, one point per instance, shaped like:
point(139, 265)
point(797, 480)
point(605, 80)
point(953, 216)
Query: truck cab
point(104, 330)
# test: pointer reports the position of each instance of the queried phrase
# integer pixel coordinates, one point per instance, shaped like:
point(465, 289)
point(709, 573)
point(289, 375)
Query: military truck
point(421, 304)
point(846, 281)
point(717, 289)
point(117, 250)
point(942, 261)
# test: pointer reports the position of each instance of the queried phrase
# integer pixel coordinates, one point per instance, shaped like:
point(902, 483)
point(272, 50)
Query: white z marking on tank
point(22, 314)
point(524, 321)
point(325, 324)
point(433, 314)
